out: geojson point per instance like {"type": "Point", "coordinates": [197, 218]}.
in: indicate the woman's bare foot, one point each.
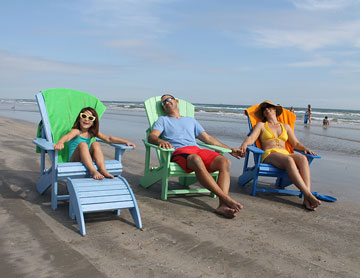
{"type": "Point", "coordinates": [311, 202]}
{"type": "Point", "coordinates": [106, 174]}
{"type": "Point", "coordinates": [96, 175]}
{"type": "Point", "coordinates": [226, 211]}
{"type": "Point", "coordinates": [230, 203]}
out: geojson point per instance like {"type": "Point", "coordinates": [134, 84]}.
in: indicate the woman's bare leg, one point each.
{"type": "Point", "coordinates": [82, 154]}
{"type": "Point", "coordinates": [288, 163]}
{"type": "Point", "coordinates": [98, 157]}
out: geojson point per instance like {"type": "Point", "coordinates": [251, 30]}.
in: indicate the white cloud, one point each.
{"type": "Point", "coordinates": [320, 62]}
{"type": "Point", "coordinates": [314, 5]}
{"type": "Point", "coordinates": [344, 34]}
{"type": "Point", "coordinates": [14, 63]}
{"type": "Point", "coordinates": [134, 17]}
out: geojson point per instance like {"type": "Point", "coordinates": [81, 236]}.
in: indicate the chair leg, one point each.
{"type": "Point", "coordinates": [253, 193]}
{"type": "Point", "coordinates": [164, 188]}
{"type": "Point", "coordinates": [54, 195]}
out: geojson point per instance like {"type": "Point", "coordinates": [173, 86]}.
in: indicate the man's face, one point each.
{"type": "Point", "coordinates": [168, 102]}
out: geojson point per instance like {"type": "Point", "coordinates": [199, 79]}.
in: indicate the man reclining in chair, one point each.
{"type": "Point", "coordinates": [179, 133]}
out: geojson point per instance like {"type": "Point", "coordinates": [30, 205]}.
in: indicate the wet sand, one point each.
{"type": "Point", "coordinates": [273, 236]}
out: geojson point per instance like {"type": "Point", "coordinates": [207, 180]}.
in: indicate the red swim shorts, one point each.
{"type": "Point", "coordinates": [180, 155]}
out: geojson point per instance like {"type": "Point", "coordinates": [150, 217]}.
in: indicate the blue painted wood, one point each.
{"type": "Point", "coordinates": [49, 177]}
{"type": "Point", "coordinates": [89, 195]}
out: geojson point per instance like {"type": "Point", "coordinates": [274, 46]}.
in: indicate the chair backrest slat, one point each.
{"type": "Point", "coordinates": [44, 117]}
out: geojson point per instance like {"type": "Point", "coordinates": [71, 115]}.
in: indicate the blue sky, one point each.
{"type": "Point", "coordinates": [292, 52]}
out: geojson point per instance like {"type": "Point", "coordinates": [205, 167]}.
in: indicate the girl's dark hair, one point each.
{"type": "Point", "coordinates": [94, 129]}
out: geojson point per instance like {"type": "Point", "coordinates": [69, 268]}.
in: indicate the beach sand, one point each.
{"type": "Point", "coordinates": [273, 236]}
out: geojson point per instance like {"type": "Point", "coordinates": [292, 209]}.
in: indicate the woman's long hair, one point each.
{"type": "Point", "coordinates": [94, 129]}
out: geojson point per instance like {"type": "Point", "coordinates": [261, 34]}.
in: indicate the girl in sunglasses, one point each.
{"type": "Point", "coordinates": [83, 147]}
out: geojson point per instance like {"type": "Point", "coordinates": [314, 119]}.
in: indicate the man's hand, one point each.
{"type": "Point", "coordinates": [165, 144]}
{"type": "Point", "coordinates": [235, 152]}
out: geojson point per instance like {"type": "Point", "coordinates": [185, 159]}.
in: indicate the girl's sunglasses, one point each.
{"type": "Point", "coordinates": [90, 118]}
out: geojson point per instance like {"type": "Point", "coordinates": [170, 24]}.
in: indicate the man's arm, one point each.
{"type": "Point", "coordinates": [154, 138]}
{"type": "Point", "coordinates": [208, 139]}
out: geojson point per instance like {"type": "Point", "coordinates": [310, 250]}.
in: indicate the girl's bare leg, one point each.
{"type": "Point", "coordinates": [82, 154]}
{"type": "Point", "coordinates": [288, 163]}
{"type": "Point", "coordinates": [98, 157]}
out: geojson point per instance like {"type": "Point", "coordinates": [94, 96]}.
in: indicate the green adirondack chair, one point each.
{"type": "Point", "coordinates": [167, 169]}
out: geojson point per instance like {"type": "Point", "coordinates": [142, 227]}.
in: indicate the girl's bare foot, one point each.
{"type": "Point", "coordinates": [96, 175]}
{"type": "Point", "coordinates": [106, 174]}
{"type": "Point", "coordinates": [226, 211]}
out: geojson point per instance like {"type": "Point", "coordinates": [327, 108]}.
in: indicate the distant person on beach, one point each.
{"type": "Point", "coordinates": [175, 131]}
{"type": "Point", "coordinates": [273, 135]}
{"type": "Point", "coordinates": [292, 109]}
{"type": "Point", "coordinates": [81, 145]}
{"type": "Point", "coordinates": [307, 116]}
{"type": "Point", "coordinates": [326, 122]}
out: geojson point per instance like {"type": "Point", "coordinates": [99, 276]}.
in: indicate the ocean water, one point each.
{"type": "Point", "coordinates": [225, 122]}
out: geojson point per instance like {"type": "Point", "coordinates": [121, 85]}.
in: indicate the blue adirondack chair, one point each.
{"type": "Point", "coordinates": [59, 109]}
{"type": "Point", "coordinates": [267, 170]}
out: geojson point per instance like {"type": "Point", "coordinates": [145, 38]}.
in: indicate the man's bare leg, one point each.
{"type": "Point", "coordinates": [227, 206]}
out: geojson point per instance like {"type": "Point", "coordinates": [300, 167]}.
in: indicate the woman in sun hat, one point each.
{"type": "Point", "coordinates": [273, 135]}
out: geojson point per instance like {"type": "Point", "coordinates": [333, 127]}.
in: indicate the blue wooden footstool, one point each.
{"type": "Point", "coordinates": [90, 195]}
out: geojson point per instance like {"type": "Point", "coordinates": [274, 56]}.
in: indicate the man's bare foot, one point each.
{"type": "Point", "coordinates": [96, 175]}
{"type": "Point", "coordinates": [232, 204]}
{"type": "Point", "coordinates": [311, 202]}
{"type": "Point", "coordinates": [106, 174]}
{"type": "Point", "coordinates": [226, 211]}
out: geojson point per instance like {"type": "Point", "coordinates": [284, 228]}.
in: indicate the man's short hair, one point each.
{"type": "Point", "coordinates": [167, 95]}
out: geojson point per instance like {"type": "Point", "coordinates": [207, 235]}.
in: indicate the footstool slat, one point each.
{"type": "Point", "coordinates": [107, 206]}
{"type": "Point", "coordinates": [102, 193]}
{"type": "Point", "coordinates": [98, 188]}
{"type": "Point", "coordinates": [105, 199]}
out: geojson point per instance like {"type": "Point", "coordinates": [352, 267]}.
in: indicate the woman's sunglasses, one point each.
{"type": "Point", "coordinates": [90, 118]}
{"type": "Point", "coordinates": [267, 106]}
{"type": "Point", "coordinates": [166, 100]}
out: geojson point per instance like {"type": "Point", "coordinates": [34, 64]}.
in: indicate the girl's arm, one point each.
{"type": "Point", "coordinates": [66, 138]}
{"type": "Point", "coordinates": [114, 140]}
{"type": "Point", "coordinates": [251, 138]}
{"type": "Point", "coordinates": [295, 143]}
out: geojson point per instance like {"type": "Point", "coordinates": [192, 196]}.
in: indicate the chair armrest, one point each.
{"type": "Point", "coordinates": [308, 154]}
{"type": "Point", "coordinates": [255, 150]}
{"type": "Point", "coordinates": [44, 144]}
{"type": "Point", "coordinates": [156, 146]}
{"type": "Point", "coordinates": [118, 146]}
{"type": "Point", "coordinates": [215, 148]}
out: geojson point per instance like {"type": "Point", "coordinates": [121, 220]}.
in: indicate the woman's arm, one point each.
{"type": "Point", "coordinates": [114, 140]}
{"type": "Point", "coordinates": [251, 138]}
{"type": "Point", "coordinates": [295, 143]}
{"type": "Point", "coordinates": [66, 138]}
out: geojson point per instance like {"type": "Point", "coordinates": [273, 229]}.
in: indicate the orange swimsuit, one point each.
{"type": "Point", "coordinates": [268, 134]}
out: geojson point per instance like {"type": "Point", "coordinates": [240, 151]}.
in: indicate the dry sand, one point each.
{"type": "Point", "coordinates": [273, 236]}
